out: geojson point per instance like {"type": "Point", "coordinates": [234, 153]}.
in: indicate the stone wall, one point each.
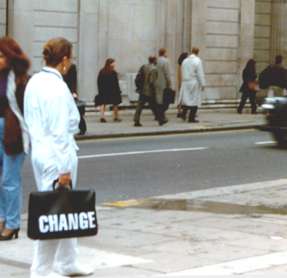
{"type": "Point", "coordinates": [262, 46]}
{"type": "Point", "coordinates": [222, 48]}
{"type": "Point", "coordinates": [2, 17]}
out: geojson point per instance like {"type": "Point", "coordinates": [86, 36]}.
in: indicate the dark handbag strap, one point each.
{"type": "Point", "coordinates": [57, 187]}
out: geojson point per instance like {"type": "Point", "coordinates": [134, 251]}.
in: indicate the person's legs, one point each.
{"type": "Point", "coordinates": [244, 98]}
{"type": "Point", "coordinates": [12, 189]}
{"type": "Point", "coordinates": [192, 114]}
{"type": "Point", "coordinates": [252, 99]}
{"type": "Point", "coordinates": [139, 109]}
{"type": "Point", "coordinates": [116, 113]}
{"type": "Point", "coordinates": [184, 112]}
{"type": "Point", "coordinates": [102, 111]}
{"type": "Point", "coordinates": [2, 198]}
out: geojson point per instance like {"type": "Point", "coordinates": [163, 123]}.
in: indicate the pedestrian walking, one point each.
{"type": "Point", "coordinates": [109, 90]}
{"type": "Point", "coordinates": [163, 81]}
{"type": "Point", "coordinates": [193, 84]}
{"type": "Point", "coordinates": [274, 78]}
{"type": "Point", "coordinates": [71, 79]}
{"type": "Point", "coordinates": [147, 92]}
{"type": "Point", "coordinates": [180, 60]}
{"type": "Point", "coordinates": [53, 119]}
{"type": "Point", "coordinates": [249, 87]}
{"type": "Point", "coordinates": [14, 138]}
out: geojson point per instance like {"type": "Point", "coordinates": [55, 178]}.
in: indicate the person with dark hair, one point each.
{"type": "Point", "coordinates": [180, 60]}
{"type": "Point", "coordinates": [248, 88]}
{"type": "Point", "coordinates": [193, 83]}
{"type": "Point", "coordinates": [109, 90]}
{"type": "Point", "coordinates": [14, 138]}
{"type": "Point", "coordinates": [71, 79]}
{"type": "Point", "coordinates": [53, 120]}
{"type": "Point", "coordinates": [148, 92]}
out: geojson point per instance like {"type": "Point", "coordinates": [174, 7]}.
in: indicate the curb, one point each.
{"type": "Point", "coordinates": [165, 132]}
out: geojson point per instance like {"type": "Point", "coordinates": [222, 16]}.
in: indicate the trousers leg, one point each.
{"type": "Point", "coordinates": [2, 198]}
{"type": "Point", "coordinates": [244, 98]}
{"type": "Point", "coordinates": [192, 113]}
{"type": "Point", "coordinates": [252, 99]}
{"type": "Point", "coordinates": [139, 109]}
{"type": "Point", "coordinates": [184, 112]}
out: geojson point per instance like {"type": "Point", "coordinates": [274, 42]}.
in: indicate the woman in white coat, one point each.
{"type": "Point", "coordinates": [53, 119]}
{"type": "Point", "coordinates": [193, 83]}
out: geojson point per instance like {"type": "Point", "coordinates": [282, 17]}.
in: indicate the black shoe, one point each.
{"type": "Point", "coordinates": [239, 111]}
{"type": "Point", "coordinates": [138, 124]}
{"type": "Point", "coordinates": [161, 123]}
{"type": "Point", "coordinates": [117, 120]}
{"type": "Point", "coordinates": [13, 234]}
{"type": "Point", "coordinates": [103, 120]}
{"type": "Point", "coordinates": [193, 121]}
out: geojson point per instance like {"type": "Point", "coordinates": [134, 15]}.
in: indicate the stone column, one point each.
{"type": "Point", "coordinates": [21, 23]}
{"type": "Point", "coordinates": [278, 29]}
{"type": "Point", "coordinates": [247, 32]}
{"type": "Point", "coordinates": [89, 42]}
{"type": "Point", "coordinates": [198, 25]}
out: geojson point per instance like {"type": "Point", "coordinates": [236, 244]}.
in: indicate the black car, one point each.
{"type": "Point", "coordinates": [275, 109]}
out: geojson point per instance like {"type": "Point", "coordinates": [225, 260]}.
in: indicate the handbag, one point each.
{"type": "Point", "coordinates": [169, 96]}
{"type": "Point", "coordinates": [62, 214]}
{"type": "Point", "coordinates": [13, 141]}
{"type": "Point", "coordinates": [253, 86]}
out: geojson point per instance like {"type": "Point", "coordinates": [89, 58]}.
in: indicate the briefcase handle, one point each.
{"type": "Point", "coordinates": [67, 187]}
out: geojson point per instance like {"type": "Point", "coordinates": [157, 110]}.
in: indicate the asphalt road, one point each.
{"type": "Point", "coordinates": [121, 169]}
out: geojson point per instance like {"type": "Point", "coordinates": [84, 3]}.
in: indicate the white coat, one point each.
{"type": "Point", "coordinates": [193, 80]}
{"type": "Point", "coordinates": [52, 119]}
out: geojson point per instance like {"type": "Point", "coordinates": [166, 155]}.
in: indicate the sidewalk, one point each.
{"type": "Point", "coordinates": [210, 120]}
{"type": "Point", "coordinates": [235, 230]}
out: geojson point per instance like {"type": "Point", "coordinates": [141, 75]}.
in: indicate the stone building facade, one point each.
{"type": "Point", "coordinates": [228, 32]}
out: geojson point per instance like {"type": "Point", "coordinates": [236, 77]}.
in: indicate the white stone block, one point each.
{"type": "Point", "coordinates": [56, 5]}
{"type": "Point", "coordinates": [262, 55]}
{"type": "Point", "coordinates": [221, 54]}
{"type": "Point", "coordinates": [262, 31]}
{"type": "Point", "coordinates": [223, 14]}
{"type": "Point", "coordinates": [222, 41]}
{"type": "Point", "coordinates": [2, 16]}
{"type": "Point", "coordinates": [2, 4]}
{"type": "Point", "coordinates": [229, 28]}
{"type": "Point", "coordinates": [45, 33]}
{"type": "Point", "coordinates": [262, 43]}
{"type": "Point", "coordinates": [220, 93]}
{"type": "Point", "coordinates": [221, 67]}
{"type": "Point", "coordinates": [224, 3]}
{"type": "Point", "coordinates": [2, 30]}
{"type": "Point", "coordinates": [263, 7]}
{"type": "Point", "coordinates": [263, 19]}
{"type": "Point", "coordinates": [221, 80]}
{"type": "Point", "coordinates": [52, 19]}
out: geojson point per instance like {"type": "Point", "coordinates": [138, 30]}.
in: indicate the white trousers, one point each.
{"type": "Point", "coordinates": [49, 254]}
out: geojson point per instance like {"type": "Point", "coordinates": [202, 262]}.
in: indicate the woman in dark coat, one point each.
{"type": "Point", "coordinates": [248, 89]}
{"type": "Point", "coordinates": [109, 90]}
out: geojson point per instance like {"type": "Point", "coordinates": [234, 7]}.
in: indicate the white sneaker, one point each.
{"type": "Point", "coordinates": [75, 270]}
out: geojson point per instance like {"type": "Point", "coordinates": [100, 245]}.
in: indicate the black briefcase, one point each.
{"type": "Point", "coordinates": [62, 214]}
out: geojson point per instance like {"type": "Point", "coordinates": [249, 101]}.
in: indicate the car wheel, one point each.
{"type": "Point", "coordinates": [280, 137]}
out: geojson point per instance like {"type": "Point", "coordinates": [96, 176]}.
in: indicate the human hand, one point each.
{"type": "Point", "coordinates": [65, 179]}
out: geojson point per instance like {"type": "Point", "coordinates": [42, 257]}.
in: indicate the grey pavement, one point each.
{"type": "Point", "coordinates": [210, 120]}
{"type": "Point", "coordinates": [236, 230]}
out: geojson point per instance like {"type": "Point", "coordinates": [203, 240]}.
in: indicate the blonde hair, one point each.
{"type": "Point", "coordinates": [55, 50]}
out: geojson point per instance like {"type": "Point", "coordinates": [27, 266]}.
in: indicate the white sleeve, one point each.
{"type": "Point", "coordinates": [62, 122]}
{"type": "Point", "coordinates": [201, 75]}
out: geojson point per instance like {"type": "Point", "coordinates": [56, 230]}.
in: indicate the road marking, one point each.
{"type": "Point", "coordinates": [265, 143]}
{"type": "Point", "coordinates": [236, 267]}
{"type": "Point", "coordinates": [141, 152]}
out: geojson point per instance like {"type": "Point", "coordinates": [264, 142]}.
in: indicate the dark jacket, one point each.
{"type": "Point", "coordinates": [273, 75]}
{"type": "Point", "coordinates": [109, 89]}
{"type": "Point", "coordinates": [247, 76]}
{"type": "Point", "coordinates": [71, 79]}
